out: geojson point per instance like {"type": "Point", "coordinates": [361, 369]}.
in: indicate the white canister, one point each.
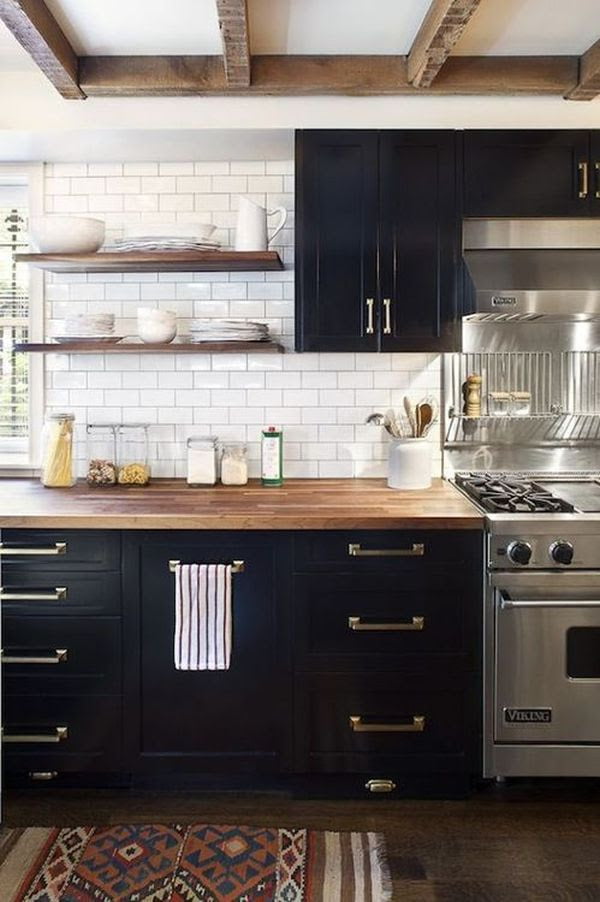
{"type": "Point", "coordinates": [409, 464]}
{"type": "Point", "coordinates": [156, 326]}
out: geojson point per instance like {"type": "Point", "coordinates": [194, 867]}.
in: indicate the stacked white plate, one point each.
{"type": "Point", "coordinates": [89, 327]}
{"type": "Point", "coordinates": [227, 330]}
{"type": "Point", "coordinates": [185, 236]}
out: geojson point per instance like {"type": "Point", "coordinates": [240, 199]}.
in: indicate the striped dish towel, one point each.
{"type": "Point", "coordinates": [202, 617]}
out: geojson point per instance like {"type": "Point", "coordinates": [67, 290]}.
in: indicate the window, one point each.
{"type": "Point", "coordinates": [20, 320]}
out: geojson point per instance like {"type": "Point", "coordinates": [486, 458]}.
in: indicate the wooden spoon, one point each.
{"type": "Point", "coordinates": [424, 417]}
{"type": "Point", "coordinates": [410, 413]}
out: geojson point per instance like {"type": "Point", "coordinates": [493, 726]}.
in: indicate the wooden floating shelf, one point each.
{"type": "Point", "coordinates": [157, 261]}
{"type": "Point", "coordinates": [132, 347]}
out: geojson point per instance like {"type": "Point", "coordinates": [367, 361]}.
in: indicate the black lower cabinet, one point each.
{"type": "Point", "coordinates": [355, 666]}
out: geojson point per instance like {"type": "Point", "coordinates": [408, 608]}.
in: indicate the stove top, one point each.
{"type": "Point", "coordinates": [509, 493]}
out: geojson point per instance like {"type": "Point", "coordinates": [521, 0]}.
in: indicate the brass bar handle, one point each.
{"type": "Point", "coordinates": [387, 322]}
{"type": "Point", "coordinates": [43, 775]}
{"type": "Point", "coordinates": [236, 566]}
{"type": "Point", "coordinates": [59, 594]}
{"type": "Point", "coordinates": [57, 656]}
{"type": "Point", "coordinates": [415, 624]}
{"type": "Point", "coordinates": [583, 181]}
{"type": "Point", "coordinates": [380, 785]}
{"type": "Point", "coordinates": [417, 725]}
{"type": "Point", "coordinates": [57, 548]}
{"type": "Point", "coordinates": [597, 171]}
{"type": "Point", "coordinates": [370, 316]}
{"type": "Point", "coordinates": [58, 734]}
{"type": "Point", "coordinates": [417, 549]}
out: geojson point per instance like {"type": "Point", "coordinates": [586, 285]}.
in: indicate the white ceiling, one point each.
{"type": "Point", "coordinates": [312, 26]}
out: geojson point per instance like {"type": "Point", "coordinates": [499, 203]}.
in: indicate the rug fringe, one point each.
{"type": "Point", "coordinates": [379, 850]}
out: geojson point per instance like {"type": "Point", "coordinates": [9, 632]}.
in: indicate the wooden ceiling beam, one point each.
{"type": "Point", "coordinates": [441, 28]}
{"type": "Point", "coordinates": [36, 29]}
{"type": "Point", "coordinates": [233, 23]}
{"type": "Point", "coordinates": [173, 76]}
{"type": "Point", "coordinates": [588, 85]}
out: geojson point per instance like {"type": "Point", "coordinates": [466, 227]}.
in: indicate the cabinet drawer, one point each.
{"type": "Point", "coordinates": [61, 655]}
{"type": "Point", "coordinates": [59, 592]}
{"type": "Point", "coordinates": [63, 734]}
{"type": "Point", "coordinates": [402, 550]}
{"type": "Point", "coordinates": [351, 621]}
{"type": "Point", "coordinates": [356, 722]}
{"type": "Point", "coordinates": [48, 549]}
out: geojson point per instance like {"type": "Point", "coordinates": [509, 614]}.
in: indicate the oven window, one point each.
{"type": "Point", "coordinates": [583, 652]}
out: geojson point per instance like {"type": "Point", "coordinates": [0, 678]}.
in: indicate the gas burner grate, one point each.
{"type": "Point", "coordinates": [506, 493]}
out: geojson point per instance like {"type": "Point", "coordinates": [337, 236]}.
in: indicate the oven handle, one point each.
{"type": "Point", "coordinates": [507, 603]}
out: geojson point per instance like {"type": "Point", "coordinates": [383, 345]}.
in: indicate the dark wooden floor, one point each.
{"type": "Point", "coordinates": [539, 843]}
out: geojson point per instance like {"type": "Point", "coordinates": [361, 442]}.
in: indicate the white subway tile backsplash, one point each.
{"type": "Point", "coordinates": [321, 400]}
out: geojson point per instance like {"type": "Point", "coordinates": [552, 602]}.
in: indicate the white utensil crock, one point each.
{"type": "Point", "coordinates": [251, 233]}
{"type": "Point", "coordinates": [409, 464]}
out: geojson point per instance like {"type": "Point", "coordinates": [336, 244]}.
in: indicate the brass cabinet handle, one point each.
{"type": "Point", "coordinates": [56, 656]}
{"type": "Point", "coordinates": [597, 170]}
{"type": "Point", "coordinates": [583, 182]}
{"type": "Point", "coordinates": [57, 734]}
{"type": "Point", "coordinates": [380, 785]}
{"type": "Point", "coordinates": [417, 549]}
{"type": "Point", "coordinates": [387, 323]}
{"type": "Point", "coordinates": [370, 322]}
{"type": "Point", "coordinates": [57, 548]}
{"type": "Point", "coordinates": [43, 774]}
{"type": "Point", "coordinates": [59, 594]}
{"type": "Point", "coordinates": [356, 624]}
{"type": "Point", "coordinates": [417, 725]}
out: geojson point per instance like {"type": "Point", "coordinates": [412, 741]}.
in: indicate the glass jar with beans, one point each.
{"type": "Point", "coordinates": [132, 454]}
{"type": "Point", "coordinates": [101, 455]}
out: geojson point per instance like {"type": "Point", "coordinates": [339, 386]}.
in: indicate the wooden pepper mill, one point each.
{"type": "Point", "coordinates": [472, 396]}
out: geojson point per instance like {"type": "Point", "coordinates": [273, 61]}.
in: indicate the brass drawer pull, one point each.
{"type": "Point", "coordinates": [380, 785]}
{"type": "Point", "coordinates": [387, 323]}
{"type": "Point", "coordinates": [597, 169]}
{"type": "Point", "coordinates": [583, 183]}
{"type": "Point", "coordinates": [356, 624]}
{"type": "Point", "coordinates": [417, 725]}
{"type": "Point", "coordinates": [58, 734]}
{"type": "Point", "coordinates": [236, 566]}
{"type": "Point", "coordinates": [57, 656]}
{"type": "Point", "coordinates": [415, 550]}
{"type": "Point", "coordinates": [42, 775]}
{"type": "Point", "coordinates": [59, 594]}
{"type": "Point", "coordinates": [370, 324]}
{"type": "Point", "coordinates": [57, 548]}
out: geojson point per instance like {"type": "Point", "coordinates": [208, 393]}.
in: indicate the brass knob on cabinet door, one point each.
{"type": "Point", "coordinates": [380, 785]}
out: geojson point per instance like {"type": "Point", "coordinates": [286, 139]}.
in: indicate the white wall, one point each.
{"type": "Point", "coordinates": [321, 400]}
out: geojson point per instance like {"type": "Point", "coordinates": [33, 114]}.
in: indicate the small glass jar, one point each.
{"type": "Point", "coordinates": [101, 455]}
{"type": "Point", "coordinates": [521, 403]}
{"type": "Point", "coordinates": [57, 451]}
{"type": "Point", "coordinates": [500, 403]}
{"type": "Point", "coordinates": [132, 454]}
{"type": "Point", "coordinates": [234, 464]}
{"type": "Point", "coordinates": [201, 460]}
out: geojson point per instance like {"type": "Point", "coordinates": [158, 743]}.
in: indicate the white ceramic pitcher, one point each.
{"type": "Point", "coordinates": [251, 233]}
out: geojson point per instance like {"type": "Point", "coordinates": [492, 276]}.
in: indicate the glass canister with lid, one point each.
{"type": "Point", "coordinates": [101, 454]}
{"type": "Point", "coordinates": [133, 454]}
{"type": "Point", "coordinates": [57, 451]}
{"type": "Point", "coordinates": [201, 460]}
{"type": "Point", "coordinates": [234, 464]}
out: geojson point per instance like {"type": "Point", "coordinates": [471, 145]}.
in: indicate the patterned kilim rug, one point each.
{"type": "Point", "coordinates": [176, 863]}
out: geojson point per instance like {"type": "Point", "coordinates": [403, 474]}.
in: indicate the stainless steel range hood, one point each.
{"type": "Point", "coordinates": [536, 283]}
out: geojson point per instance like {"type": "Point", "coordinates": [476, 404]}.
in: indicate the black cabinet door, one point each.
{"type": "Point", "coordinates": [221, 721]}
{"type": "Point", "coordinates": [595, 172]}
{"type": "Point", "coordinates": [527, 173]}
{"type": "Point", "coordinates": [336, 241]}
{"type": "Point", "coordinates": [419, 222]}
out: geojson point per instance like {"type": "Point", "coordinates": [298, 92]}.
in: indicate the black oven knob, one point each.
{"type": "Point", "coordinates": [561, 552]}
{"type": "Point", "coordinates": [519, 552]}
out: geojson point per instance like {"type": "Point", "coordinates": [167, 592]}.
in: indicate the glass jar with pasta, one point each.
{"type": "Point", "coordinates": [57, 451]}
{"type": "Point", "coordinates": [132, 454]}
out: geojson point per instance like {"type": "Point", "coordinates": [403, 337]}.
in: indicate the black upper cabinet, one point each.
{"type": "Point", "coordinates": [336, 243]}
{"type": "Point", "coordinates": [530, 173]}
{"type": "Point", "coordinates": [418, 241]}
{"type": "Point", "coordinates": [377, 237]}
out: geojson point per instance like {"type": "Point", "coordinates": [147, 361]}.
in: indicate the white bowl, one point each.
{"type": "Point", "coordinates": [66, 234]}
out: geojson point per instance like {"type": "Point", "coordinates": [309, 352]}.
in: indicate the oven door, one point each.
{"type": "Point", "coordinates": [547, 659]}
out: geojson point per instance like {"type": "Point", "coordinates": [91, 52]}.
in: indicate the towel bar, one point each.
{"type": "Point", "coordinates": [236, 566]}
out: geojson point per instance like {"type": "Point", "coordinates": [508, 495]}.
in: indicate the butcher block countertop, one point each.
{"type": "Point", "coordinates": [298, 504]}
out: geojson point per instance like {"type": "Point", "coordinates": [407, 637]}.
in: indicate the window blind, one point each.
{"type": "Point", "coordinates": [14, 326]}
